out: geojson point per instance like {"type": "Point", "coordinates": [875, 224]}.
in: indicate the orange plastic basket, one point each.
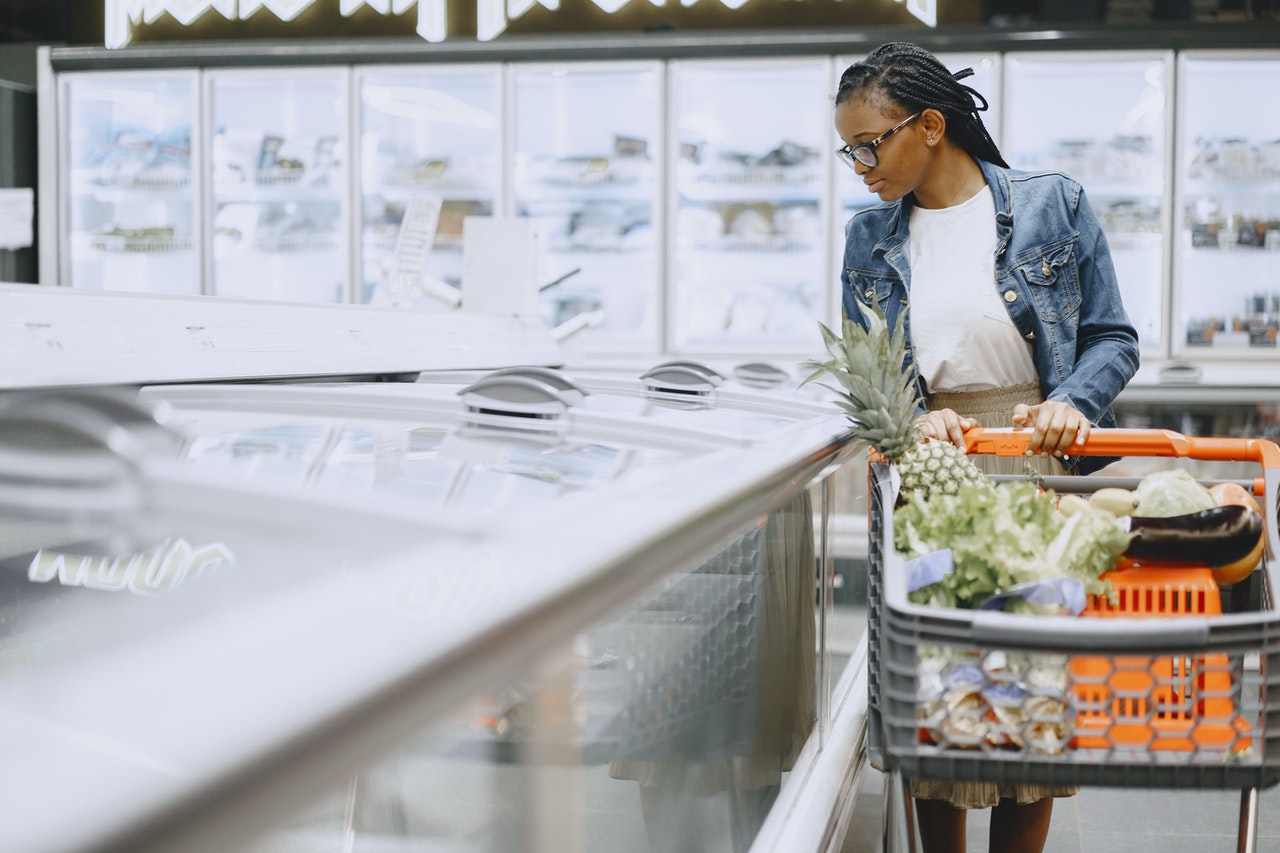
{"type": "Point", "coordinates": [1182, 703]}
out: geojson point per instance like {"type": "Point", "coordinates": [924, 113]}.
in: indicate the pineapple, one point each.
{"type": "Point", "coordinates": [877, 391]}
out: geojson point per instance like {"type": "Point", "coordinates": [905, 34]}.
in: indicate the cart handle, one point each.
{"type": "Point", "coordinates": [1132, 442]}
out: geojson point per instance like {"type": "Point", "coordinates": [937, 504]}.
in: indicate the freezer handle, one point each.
{"type": "Point", "coordinates": [1133, 442]}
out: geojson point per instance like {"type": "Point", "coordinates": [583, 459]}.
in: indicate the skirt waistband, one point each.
{"type": "Point", "coordinates": [993, 400]}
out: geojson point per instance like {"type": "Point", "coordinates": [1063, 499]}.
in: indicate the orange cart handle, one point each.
{"type": "Point", "coordinates": [1132, 442]}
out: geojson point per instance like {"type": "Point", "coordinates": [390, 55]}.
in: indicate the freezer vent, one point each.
{"type": "Point", "coordinates": [516, 403]}
{"type": "Point", "coordinates": [681, 381]}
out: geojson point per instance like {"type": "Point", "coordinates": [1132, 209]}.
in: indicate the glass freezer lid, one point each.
{"type": "Point", "coordinates": [422, 463]}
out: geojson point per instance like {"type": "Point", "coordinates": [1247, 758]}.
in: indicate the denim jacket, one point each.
{"type": "Point", "coordinates": [1054, 275]}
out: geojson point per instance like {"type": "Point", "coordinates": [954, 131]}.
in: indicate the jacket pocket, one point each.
{"type": "Point", "coordinates": [870, 287]}
{"type": "Point", "coordinates": [1053, 280]}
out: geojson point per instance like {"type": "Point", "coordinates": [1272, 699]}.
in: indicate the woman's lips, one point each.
{"type": "Point", "coordinates": [875, 186]}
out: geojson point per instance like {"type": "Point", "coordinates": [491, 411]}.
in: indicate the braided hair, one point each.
{"type": "Point", "coordinates": [912, 77]}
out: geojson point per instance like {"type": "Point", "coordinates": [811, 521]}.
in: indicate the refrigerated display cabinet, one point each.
{"type": "Point", "coordinates": [130, 205]}
{"type": "Point", "coordinates": [1118, 149]}
{"type": "Point", "coordinates": [279, 195]}
{"type": "Point", "coordinates": [434, 132]}
{"type": "Point", "coordinates": [748, 270]}
{"type": "Point", "coordinates": [629, 164]}
{"type": "Point", "coordinates": [1228, 207]}
{"type": "Point", "coordinates": [421, 607]}
{"type": "Point", "coordinates": [587, 167]}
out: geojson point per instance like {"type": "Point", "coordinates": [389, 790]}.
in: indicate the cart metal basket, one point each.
{"type": "Point", "coordinates": [1162, 689]}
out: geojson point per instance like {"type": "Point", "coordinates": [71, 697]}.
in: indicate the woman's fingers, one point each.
{"type": "Point", "coordinates": [944, 425]}
{"type": "Point", "coordinates": [1055, 427]}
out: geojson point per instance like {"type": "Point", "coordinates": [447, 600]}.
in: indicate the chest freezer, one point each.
{"type": "Point", "coordinates": [488, 451]}
{"type": "Point", "coordinates": [183, 565]}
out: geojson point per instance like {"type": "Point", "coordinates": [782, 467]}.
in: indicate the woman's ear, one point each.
{"type": "Point", "coordinates": [934, 125]}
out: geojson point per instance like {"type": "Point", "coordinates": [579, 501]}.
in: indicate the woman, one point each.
{"type": "Point", "coordinates": [1013, 315]}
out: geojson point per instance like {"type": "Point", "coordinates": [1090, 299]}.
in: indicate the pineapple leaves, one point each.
{"type": "Point", "coordinates": [868, 363]}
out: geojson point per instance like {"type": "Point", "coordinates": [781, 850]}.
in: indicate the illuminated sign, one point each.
{"type": "Point", "coordinates": [492, 16]}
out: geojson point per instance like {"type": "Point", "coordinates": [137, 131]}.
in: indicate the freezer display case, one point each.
{"type": "Point", "coordinates": [130, 179]}
{"type": "Point", "coordinates": [520, 612]}
{"type": "Point", "coordinates": [586, 142]}
{"type": "Point", "coordinates": [851, 193]}
{"type": "Point", "coordinates": [434, 132]}
{"type": "Point", "coordinates": [279, 199]}
{"type": "Point", "coordinates": [1117, 148]}
{"type": "Point", "coordinates": [747, 267]}
{"type": "Point", "coordinates": [1227, 259]}
{"type": "Point", "coordinates": [715, 666]}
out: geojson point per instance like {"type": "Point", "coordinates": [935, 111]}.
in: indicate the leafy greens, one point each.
{"type": "Point", "coordinates": [1003, 536]}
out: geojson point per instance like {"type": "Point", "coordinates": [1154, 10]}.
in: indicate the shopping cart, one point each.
{"type": "Point", "coordinates": [1187, 701]}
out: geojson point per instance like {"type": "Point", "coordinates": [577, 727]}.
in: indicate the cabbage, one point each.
{"type": "Point", "coordinates": [1173, 492]}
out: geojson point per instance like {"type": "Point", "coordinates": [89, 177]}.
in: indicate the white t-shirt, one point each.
{"type": "Point", "coordinates": [961, 332]}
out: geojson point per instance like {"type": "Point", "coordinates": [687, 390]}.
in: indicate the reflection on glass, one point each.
{"type": "Point", "coordinates": [667, 727]}
{"type": "Point", "coordinates": [426, 132]}
{"type": "Point", "coordinates": [130, 194]}
{"type": "Point", "coordinates": [279, 208]}
{"type": "Point", "coordinates": [585, 167]}
{"type": "Point", "coordinates": [423, 465]}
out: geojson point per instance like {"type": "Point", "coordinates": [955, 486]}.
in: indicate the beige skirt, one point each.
{"type": "Point", "coordinates": [993, 409]}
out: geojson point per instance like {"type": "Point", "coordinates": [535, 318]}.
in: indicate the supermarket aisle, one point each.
{"type": "Point", "coordinates": [1110, 820]}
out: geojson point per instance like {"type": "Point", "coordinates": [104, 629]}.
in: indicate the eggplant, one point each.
{"type": "Point", "coordinates": [1211, 537]}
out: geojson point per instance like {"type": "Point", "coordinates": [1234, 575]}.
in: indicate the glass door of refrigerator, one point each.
{"type": "Point", "coordinates": [852, 195]}
{"type": "Point", "coordinates": [432, 131]}
{"type": "Point", "coordinates": [279, 198]}
{"type": "Point", "coordinates": [586, 166]}
{"type": "Point", "coordinates": [1116, 146]}
{"type": "Point", "coordinates": [748, 268]}
{"type": "Point", "coordinates": [1227, 260]}
{"type": "Point", "coordinates": [129, 215]}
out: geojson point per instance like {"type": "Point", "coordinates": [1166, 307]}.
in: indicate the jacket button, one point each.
{"type": "Point", "coordinates": [1031, 336]}
{"type": "Point", "coordinates": [871, 291]}
{"type": "Point", "coordinates": [1010, 296]}
{"type": "Point", "coordinates": [1044, 268]}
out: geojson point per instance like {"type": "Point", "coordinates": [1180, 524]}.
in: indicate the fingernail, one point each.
{"type": "Point", "coordinates": [1030, 453]}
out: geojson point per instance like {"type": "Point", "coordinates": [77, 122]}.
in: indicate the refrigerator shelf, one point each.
{"type": "Point", "coordinates": [95, 244]}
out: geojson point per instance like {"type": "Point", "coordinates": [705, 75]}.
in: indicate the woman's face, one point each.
{"type": "Point", "coordinates": [902, 159]}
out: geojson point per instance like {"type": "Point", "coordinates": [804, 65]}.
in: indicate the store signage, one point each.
{"type": "Point", "coordinates": [492, 16]}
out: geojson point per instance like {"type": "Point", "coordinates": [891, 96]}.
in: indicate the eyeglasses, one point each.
{"type": "Point", "coordinates": [865, 153]}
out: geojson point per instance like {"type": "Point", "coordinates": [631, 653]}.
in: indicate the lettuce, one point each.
{"type": "Point", "coordinates": [1003, 536]}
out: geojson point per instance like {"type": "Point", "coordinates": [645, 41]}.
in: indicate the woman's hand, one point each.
{"type": "Point", "coordinates": [1057, 427]}
{"type": "Point", "coordinates": [944, 425]}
